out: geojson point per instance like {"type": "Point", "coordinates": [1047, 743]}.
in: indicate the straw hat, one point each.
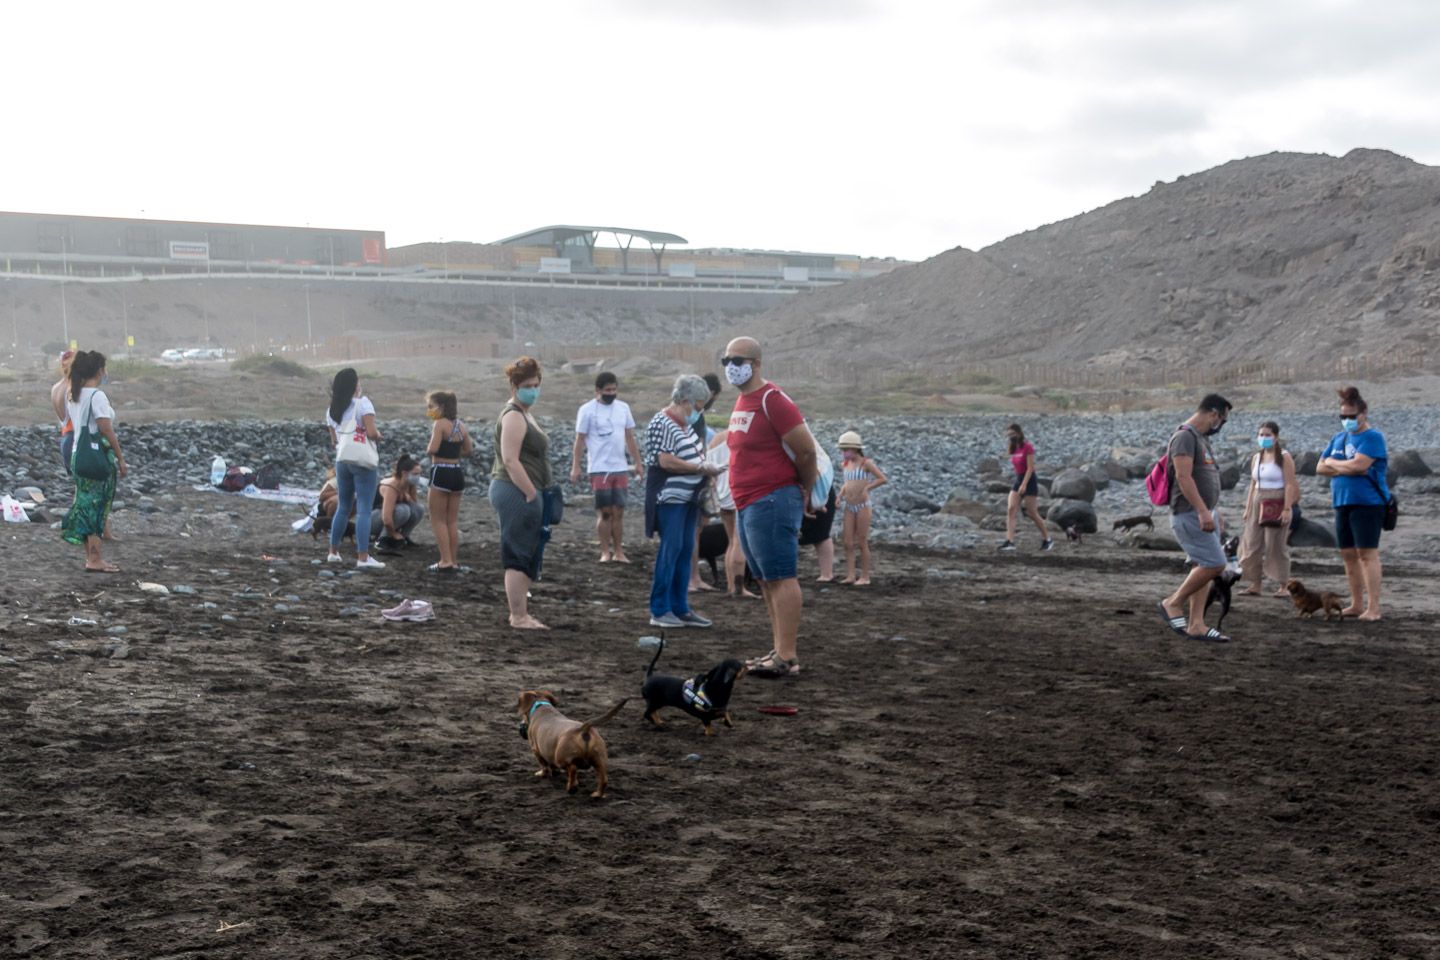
{"type": "Point", "coordinates": [851, 440]}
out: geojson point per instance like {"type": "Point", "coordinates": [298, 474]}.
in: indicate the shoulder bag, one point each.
{"type": "Point", "coordinates": [90, 459]}
{"type": "Point", "coordinates": [1272, 511]}
{"type": "Point", "coordinates": [1392, 505]}
{"type": "Point", "coordinates": [354, 447]}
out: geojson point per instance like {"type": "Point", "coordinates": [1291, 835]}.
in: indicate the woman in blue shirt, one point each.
{"type": "Point", "coordinates": [1356, 463]}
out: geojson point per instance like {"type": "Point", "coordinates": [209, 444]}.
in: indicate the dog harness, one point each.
{"type": "Point", "coordinates": [524, 725]}
{"type": "Point", "coordinates": [695, 695]}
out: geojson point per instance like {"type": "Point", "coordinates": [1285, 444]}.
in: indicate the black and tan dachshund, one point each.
{"type": "Point", "coordinates": [705, 697]}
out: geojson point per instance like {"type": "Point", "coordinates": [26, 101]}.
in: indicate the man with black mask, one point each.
{"type": "Point", "coordinates": [605, 431]}
{"type": "Point", "coordinates": [1194, 492]}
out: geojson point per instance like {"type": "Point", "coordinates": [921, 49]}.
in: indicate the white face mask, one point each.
{"type": "Point", "coordinates": [739, 375]}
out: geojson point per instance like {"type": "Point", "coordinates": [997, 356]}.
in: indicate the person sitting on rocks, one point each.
{"type": "Point", "coordinates": [400, 510]}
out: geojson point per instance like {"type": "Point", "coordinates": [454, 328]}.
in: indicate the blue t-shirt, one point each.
{"type": "Point", "coordinates": [1359, 491]}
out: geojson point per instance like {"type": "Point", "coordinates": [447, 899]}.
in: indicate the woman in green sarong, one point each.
{"type": "Point", "coordinates": [91, 413]}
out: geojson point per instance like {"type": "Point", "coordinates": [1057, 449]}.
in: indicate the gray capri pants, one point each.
{"type": "Point", "coordinates": [520, 525]}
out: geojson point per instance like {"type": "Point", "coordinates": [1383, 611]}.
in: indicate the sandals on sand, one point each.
{"type": "Point", "coordinates": [1209, 636]}
{"type": "Point", "coordinates": [772, 666]}
{"type": "Point", "coordinates": [1176, 624]}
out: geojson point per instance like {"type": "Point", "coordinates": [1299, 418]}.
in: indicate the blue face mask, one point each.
{"type": "Point", "coordinates": [104, 379]}
{"type": "Point", "coordinates": [1265, 443]}
{"type": "Point", "coordinates": [1350, 424]}
{"type": "Point", "coordinates": [693, 417]}
{"type": "Point", "coordinates": [528, 395]}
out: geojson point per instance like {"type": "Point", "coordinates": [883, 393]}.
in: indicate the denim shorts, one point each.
{"type": "Point", "coordinates": [769, 532]}
{"type": "Point", "coordinates": [1357, 526]}
{"type": "Point", "coordinates": [1201, 546]}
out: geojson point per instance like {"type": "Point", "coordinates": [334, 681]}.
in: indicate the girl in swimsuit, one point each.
{"type": "Point", "coordinates": [861, 476]}
{"type": "Point", "coordinates": [449, 442]}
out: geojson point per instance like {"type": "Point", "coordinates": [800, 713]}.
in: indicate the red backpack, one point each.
{"type": "Point", "coordinates": [1157, 481]}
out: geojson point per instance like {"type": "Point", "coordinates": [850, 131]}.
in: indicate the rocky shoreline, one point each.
{"type": "Point", "coordinates": [948, 475]}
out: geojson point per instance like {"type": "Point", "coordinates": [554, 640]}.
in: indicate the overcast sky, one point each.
{"type": "Point", "coordinates": [896, 128]}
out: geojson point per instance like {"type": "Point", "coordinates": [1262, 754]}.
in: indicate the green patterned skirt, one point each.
{"type": "Point", "coordinates": [91, 508]}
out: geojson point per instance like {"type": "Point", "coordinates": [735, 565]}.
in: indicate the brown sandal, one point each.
{"type": "Point", "coordinates": [775, 668]}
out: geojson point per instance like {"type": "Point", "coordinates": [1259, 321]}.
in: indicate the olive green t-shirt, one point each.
{"type": "Point", "coordinates": [534, 450]}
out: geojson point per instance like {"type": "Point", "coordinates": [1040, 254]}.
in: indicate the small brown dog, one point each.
{"type": "Point", "coordinates": [560, 743]}
{"type": "Point", "coordinates": [1308, 601]}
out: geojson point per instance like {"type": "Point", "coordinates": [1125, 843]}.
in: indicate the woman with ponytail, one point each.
{"type": "Point", "coordinates": [1356, 462]}
{"type": "Point", "coordinates": [354, 482]}
{"type": "Point", "coordinates": [1273, 492]}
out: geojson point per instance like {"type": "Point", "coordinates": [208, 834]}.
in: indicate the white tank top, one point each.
{"type": "Point", "coordinates": [720, 454]}
{"type": "Point", "coordinates": [1269, 474]}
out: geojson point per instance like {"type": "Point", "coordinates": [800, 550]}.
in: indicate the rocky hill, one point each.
{"type": "Point", "coordinates": [1292, 258]}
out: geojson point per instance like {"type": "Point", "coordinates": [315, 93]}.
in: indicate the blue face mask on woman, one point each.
{"type": "Point", "coordinates": [693, 417]}
{"type": "Point", "coordinates": [1265, 443]}
{"type": "Point", "coordinates": [1351, 424]}
{"type": "Point", "coordinates": [528, 395]}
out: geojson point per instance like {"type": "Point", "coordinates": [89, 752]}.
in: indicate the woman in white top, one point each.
{"type": "Point", "coordinates": [89, 409]}
{"type": "Point", "coordinates": [354, 483]}
{"type": "Point", "coordinates": [1273, 492]}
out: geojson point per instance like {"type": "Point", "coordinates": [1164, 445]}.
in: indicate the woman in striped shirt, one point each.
{"type": "Point", "coordinates": [675, 478]}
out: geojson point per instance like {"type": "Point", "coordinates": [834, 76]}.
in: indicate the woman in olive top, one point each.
{"type": "Point", "coordinates": [521, 473]}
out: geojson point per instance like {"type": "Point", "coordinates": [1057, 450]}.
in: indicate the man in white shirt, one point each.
{"type": "Point", "coordinates": [604, 431]}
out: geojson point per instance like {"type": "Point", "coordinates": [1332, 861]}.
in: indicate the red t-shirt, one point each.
{"type": "Point", "coordinates": [759, 464]}
{"type": "Point", "coordinates": [1017, 459]}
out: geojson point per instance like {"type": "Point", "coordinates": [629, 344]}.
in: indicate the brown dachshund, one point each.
{"type": "Point", "coordinates": [560, 743]}
{"type": "Point", "coordinates": [1308, 601]}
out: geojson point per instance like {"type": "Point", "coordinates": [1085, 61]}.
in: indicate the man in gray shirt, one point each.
{"type": "Point", "coordinates": [1194, 492]}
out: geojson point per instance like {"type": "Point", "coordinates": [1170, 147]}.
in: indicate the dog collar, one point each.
{"type": "Point", "coordinates": [695, 695]}
{"type": "Point", "coordinates": [524, 725]}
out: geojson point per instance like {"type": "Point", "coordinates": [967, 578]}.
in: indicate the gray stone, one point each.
{"type": "Point", "coordinates": [988, 465]}
{"type": "Point", "coordinates": [1308, 533]}
{"type": "Point", "coordinates": [351, 611]}
{"type": "Point", "coordinates": [1098, 475]}
{"type": "Point", "coordinates": [964, 507]}
{"type": "Point", "coordinates": [1154, 540]}
{"type": "Point", "coordinates": [997, 486]}
{"type": "Point", "coordinates": [1229, 476]}
{"type": "Point", "coordinates": [1409, 463]}
{"type": "Point", "coordinates": [1114, 470]}
{"type": "Point", "coordinates": [182, 588]}
{"type": "Point", "coordinates": [908, 502]}
{"type": "Point", "coordinates": [1073, 485]}
{"type": "Point", "coordinates": [1305, 462]}
{"type": "Point", "coordinates": [1077, 513]}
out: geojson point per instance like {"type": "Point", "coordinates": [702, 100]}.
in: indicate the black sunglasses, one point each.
{"type": "Point", "coordinates": [1349, 416]}
{"type": "Point", "coordinates": [735, 361]}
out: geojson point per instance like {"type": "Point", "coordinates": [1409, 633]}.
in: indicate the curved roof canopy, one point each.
{"type": "Point", "coordinates": [560, 233]}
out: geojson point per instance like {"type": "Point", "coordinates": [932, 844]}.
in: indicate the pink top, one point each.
{"type": "Point", "coordinates": [1017, 459]}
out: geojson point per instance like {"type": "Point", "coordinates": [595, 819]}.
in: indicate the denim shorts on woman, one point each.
{"type": "Point", "coordinates": [1201, 546]}
{"type": "Point", "coordinates": [1357, 526]}
{"type": "Point", "coordinates": [769, 532]}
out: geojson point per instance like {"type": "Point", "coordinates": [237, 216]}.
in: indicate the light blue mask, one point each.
{"type": "Point", "coordinates": [1350, 424]}
{"type": "Point", "coordinates": [1265, 443]}
{"type": "Point", "coordinates": [104, 379]}
{"type": "Point", "coordinates": [528, 395]}
{"type": "Point", "coordinates": [693, 417]}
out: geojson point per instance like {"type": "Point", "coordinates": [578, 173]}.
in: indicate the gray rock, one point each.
{"type": "Point", "coordinates": [1135, 461]}
{"type": "Point", "coordinates": [1077, 513]}
{"type": "Point", "coordinates": [908, 502]}
{"type": "Point", "coordinates": [351, 611]}
{"type": "Point", "coordinates": [1305, 462]}
{"type": "Point", "coordinates": [1154, 540]}
{"type": "Point", "coordinates": [1308, 533]}
{"type": "Point", "coordinates": [1229, 476]}
{"type": "Point", "coordinates": [964, 507]}
{"type": "Point", "coordinates": [1074, 485]}
{"type": "Point", "coordinates": [1409, 463]}
{"type": "Point", "coordinates": [183, 588]}
{"type": "Point", "coordinates": [1115, 471]}
{"type": "Point", "coordinates": [997, 486]}
{"type": "Point", "coordinates": [989, 465]}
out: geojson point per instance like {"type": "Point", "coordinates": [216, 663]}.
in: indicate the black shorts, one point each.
{"type": "Point", "coordinates": [1032, 489]}
{"type": "Point", "coordinates": [447, 478]}
{"type": "Point", "coordinates": [1357, 527]}
{"type": "Point", "coordinates": [816, 530]}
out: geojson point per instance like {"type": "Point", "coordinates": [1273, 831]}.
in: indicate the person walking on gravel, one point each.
{"type": "Point", "coordinates": [772, 471]}
{"type": "Point", "coordinates": [605, 432]}
{"type": "Point", "coordinates": [1194, 492]}
{"type": "Point", "coordinates": [1024, 491]}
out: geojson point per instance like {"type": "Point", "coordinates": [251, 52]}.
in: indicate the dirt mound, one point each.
{"type": "Point", "coordinates": [1291, 258]}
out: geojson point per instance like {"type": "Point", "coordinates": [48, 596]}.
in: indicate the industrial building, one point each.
{"type": "Point", "coordinates": [102, 246]}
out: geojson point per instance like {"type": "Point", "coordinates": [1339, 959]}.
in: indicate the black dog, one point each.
{"type": "Point", "coordinates": [714, 541]}
{"type": "Point", "coordinates": [705, 697]}
{"type": "Point", "coordinates": [1221, 585]}
{"type": "Point", "coordinates": [322, 528]}
{"type": "Point", "coordinates": [1130, 523]}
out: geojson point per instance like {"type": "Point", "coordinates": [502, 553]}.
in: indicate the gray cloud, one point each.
{"type": "Point", "coordinates": [752, 12]}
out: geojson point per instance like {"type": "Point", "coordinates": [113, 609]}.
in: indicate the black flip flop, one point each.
{"type": "Point", "coordinates": [1209, 636]}
{"type": "Point", "coordinates": [1176, 624]}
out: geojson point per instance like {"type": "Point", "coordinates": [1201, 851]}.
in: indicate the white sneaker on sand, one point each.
{"type": "Point", "coordinates": [333, 558]}
{"type": "Point", "coordinates": [369, 563]}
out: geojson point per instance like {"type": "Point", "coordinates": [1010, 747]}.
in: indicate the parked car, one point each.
{"type": "Point", "coordinates": [172, 356]}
